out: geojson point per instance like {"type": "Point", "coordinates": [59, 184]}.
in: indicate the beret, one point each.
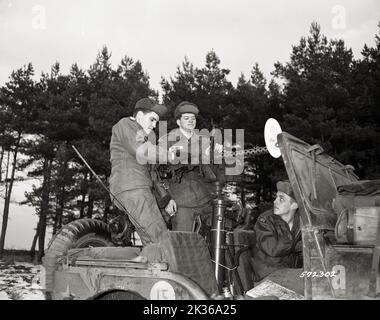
{"type": "Point", "coordinates": [147, 104]}
{"type": "Point", "coordinates": [185, 107]}
{"type": "Point", "coordinates": [285, 187]}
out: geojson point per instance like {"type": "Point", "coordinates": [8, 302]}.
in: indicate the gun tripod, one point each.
{"type": "Point", "coordinates": [226, 260]}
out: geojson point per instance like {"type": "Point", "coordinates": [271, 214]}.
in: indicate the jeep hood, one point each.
{"type": "Point", "coordinates": [314, 177]}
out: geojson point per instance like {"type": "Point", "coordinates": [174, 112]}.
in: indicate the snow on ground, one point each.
{"type": "Point", "coordinates": [20, 281]}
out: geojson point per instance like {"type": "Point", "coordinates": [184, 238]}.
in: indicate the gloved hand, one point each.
{"type": "Point", "coordinates": [171, 208]}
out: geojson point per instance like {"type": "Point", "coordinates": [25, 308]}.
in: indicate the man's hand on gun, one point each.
{"type": "Point", "coordinates": [174, 153]}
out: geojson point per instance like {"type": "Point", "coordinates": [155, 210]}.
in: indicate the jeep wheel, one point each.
{"type": "Point", "coordinates": [77, 234]}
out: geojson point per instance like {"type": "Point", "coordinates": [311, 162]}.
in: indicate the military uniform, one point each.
{"type": "Point", "coordinates": [191, 184]}
{"type": "Point", "coordinates": [276, 245]}
{"type": "Point", "coordinates": [130, 180]}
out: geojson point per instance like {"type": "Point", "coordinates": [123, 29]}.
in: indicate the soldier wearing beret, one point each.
{"type": "Point", "coordinates": [192, 188]}
{"type": "Point", "coordinates": [278, 235]}
{"type": "Point", "coordinates": [130, 179]}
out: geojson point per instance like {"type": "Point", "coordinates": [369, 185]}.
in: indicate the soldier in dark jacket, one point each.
{"type": "Point", "coordinates": [132, 150]}
{"type": "Point", "coordinates": [278, 235]}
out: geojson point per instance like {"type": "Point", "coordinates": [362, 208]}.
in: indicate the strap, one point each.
{"type": "Point", "coordinates": [341, 215]}
{"type": "Point", "coordinates": [314, 150]}
{"type": "Point", "coordinates": [197, 223]}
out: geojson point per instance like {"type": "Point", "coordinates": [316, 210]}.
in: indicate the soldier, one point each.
{"type": "Point", "coordinates": [278, 235]}
{"type": "Point", "coordinates": [191, 184]}
{"type": "Point", "coordinates": [130, 180]}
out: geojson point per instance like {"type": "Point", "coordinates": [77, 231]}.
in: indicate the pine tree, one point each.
{"type": "Point", "coordinates": [364, 132]}
{"type": "Point", "coordinates": [207, 87]}
{"type": "Point", "coordinates": [17, 99]}
{"type": "Point", "coordinates": [318, 101]}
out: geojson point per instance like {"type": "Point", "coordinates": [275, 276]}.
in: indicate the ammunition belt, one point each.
{"type": "Point", "coordinates": [255, 151]}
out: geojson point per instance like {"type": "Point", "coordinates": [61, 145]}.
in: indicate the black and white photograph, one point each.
{"type": "Point", "coordinates": [215, 152]}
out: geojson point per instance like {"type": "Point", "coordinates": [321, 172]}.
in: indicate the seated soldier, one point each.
{"type": "Point", "coordinates": [278, 235]}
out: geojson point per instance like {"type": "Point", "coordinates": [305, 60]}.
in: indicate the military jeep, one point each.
{"type": "Point", "coordinates": [82, 261]}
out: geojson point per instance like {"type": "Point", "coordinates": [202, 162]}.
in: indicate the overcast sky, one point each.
{"type": "Point", "coordinates": [160, 33]}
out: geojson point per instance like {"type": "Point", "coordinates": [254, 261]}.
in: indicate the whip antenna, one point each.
{"type": "Point", "coordinates": [136, 224]}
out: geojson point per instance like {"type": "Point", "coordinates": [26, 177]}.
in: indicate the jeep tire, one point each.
{"type": "Point", "coordinates": [81, 233]}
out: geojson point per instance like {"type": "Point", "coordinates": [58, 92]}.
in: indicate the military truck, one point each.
{"type": "Point", "coordinates": [82, 261]}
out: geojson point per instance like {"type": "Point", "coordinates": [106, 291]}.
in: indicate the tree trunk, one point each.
{"type": "Point", "coordinates": [62, 196]}
{"type": "Point", "coordinates": [90, 208]}
{"type": "Point", "coordinates": [83, 203]}
{"type": "Point", "coordinates": [1, 163]}
{"type": "Point", "coordinates": [44, 207]}
{"type": "Point", "coordinates": [59, 209]}
{"type": "Point", "coordinates": [34, 243]}
{"type": "Point", "coordinates": [59, 226]}
{"type": "Point", "coordinates": [7, 200]}
{"type": "Point", "coordinates": [82, 206]}
{"type": "Point", "coordinates": [242, 192]}
{"type": "Point", "coordinates": [61, 205]}
{"type": "Point", "coordinates": [56, 218]}
{"type": "Point", "coordinates": [107, 205]}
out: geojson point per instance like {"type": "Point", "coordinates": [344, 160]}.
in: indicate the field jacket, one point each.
{"type": "Point", "coordinates": [276, 245]}
{"type": "Point", "coordinates": [128, 142]}
{"type": "Point", "coordinates": [194, 188]}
